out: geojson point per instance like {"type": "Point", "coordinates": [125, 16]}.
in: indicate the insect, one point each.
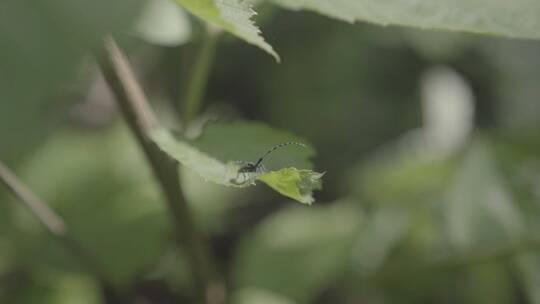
{"type": "Point", "coordinates": [248, 168]}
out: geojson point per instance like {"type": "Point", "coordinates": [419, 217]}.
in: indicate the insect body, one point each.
{"type": "Point", "coordinates": [247, 168]}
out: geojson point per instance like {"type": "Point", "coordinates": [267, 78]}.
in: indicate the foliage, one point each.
{"type": "Point", "coordinates": [497, 17]}
{"type": "Point", "coordinates": [222, 142]}
{"type": "Point", "coordinates": [233, 16]}
{"type": "Point", "coordinates": [397, 219]}
{"type": "Point", "coordinates": [43, 54]}
{"type": "Point", "coordinates": [294, 183]}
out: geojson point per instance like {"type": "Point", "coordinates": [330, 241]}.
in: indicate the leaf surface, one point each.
{"type": "Point", "coordinates": [234, 16]}
{"type": "Point", "coordinates": [517, 19]}
{"type": "Point", "coordinates": [294, 183]}
{"type": "Point", "coordinates": [220, 152]}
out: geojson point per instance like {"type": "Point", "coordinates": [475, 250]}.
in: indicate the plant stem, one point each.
{"type": "Point", "coordinates": [141, 120]}
{"type": "Point", "coordinates": [54, 224]}
{"type": "Point", "coordinates": [199, 76]}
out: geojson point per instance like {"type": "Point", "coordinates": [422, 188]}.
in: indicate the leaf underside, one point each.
{"type": "Point", "coordinates": [294, 183]}
{"type": "Point", "coordinates": [233, 16]}
{"type": "Point", "coordinates": [515, 19]}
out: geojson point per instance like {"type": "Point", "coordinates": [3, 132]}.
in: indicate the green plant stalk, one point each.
{"type": "Point", "coordinates": [141, 120]}
{"type": "Point", "coordinates": [199, 77]}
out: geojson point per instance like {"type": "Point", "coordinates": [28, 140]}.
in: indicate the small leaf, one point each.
{"type": "Point", "coordinates": [216, 154]}
{"type": "Point", "coordinates": [234, 16]}
{"type": "Point", "coordinates": [294, 183]}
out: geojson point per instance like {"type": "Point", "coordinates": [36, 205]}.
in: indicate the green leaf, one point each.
{"type": "Point", "coordinates": [517, 19]}
{"type": "Point", "coordinates": [234, 16]}
{"type": "Point", "coordinates": [209, 168]}
{"type": "Point", "coordinates": [401, 176]}
{"type": "Point", "coordinates": [120, 212]}
{"type": "Point", "coordinates": [297, 252]}
{"type": "Point", "coordinates": [481, 209]}
{"type": "Point", "coordinates": [294, 183]}
{"type": "Point", "coordinates": [248, 140]}
{"type": "Point", "coordinates": [55, 288]}
{"type": "Point", "coordinates": [40, 59]}
{"type": "Point", "coordinates": [527, 265]}
{"type": "Point", "coordinates": [215, 155]}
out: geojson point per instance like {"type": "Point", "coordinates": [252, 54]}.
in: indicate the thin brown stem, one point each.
{"type": "Point", "coordinates": [141, 119]}
{"type": "Point", "coordinates": [54, 224]}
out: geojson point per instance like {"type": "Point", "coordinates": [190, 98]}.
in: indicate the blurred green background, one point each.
{"type": "Point", "coordinates": [430, 142]}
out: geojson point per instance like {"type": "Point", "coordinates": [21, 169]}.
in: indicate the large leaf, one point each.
{"type": "Point", "coordinates": [111, 206]}
{"type": "Point", "coordinates": [248, 140]}
{"type": "Point", "coordinates": [234, 16]}
{"type": "Point", "coordinates": [219, 153]}
{"type": "Point", "coordinates": [517, 18]}
{"type": "Point", "coordinates": [40, 55]}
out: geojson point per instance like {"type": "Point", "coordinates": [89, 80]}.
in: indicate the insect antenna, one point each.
{"type": "Point", "coordinates": [259, 161]}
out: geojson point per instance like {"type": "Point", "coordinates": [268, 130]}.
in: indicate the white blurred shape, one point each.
{"type": "Point", "coordinates": [259, 296]}
{"type": "Point", "coordinates": [448, 110]}
{"type": "Point", "coordinates": [164, 23]}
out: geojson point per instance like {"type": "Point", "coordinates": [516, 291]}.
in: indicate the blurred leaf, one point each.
{"type": "Point", "coordinates": [480, 206]}
{"type": "Point", "coordinates": [164, 23]}
{"type": "Point", "coordinates": [294, 183]}
{"type": "Point", "coordinates": [234, 16]}
{"type": "Point", "coordinates": [528, 268]}
{"type": "Point", "coordinates": [382, 231]}
{"type": "Point", "coordinates": [38, 56]}
{"type": "Point", "coordinates": [108, 203]}
{"type": "Point", "coordinates": [517, 153]}
{"type": "Point", "coordinates": [399, 176]}
{"type": "Point", "coordinates": [298, 250]}
{"type": "Point", "coordinates": [480, 213]}
{"type": "Point", "coordinates": [517, 19]}
{"type": "Point", "coordinates": [57, 288]}
{"type": "Point", "coordinates": [492, 284]}
{"type": "Point", "coordinates": [209, 201]}
{"type": "Point", "coordinates": [215, 154]}
{"type": "Point", "coordinates": [72, 289]}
